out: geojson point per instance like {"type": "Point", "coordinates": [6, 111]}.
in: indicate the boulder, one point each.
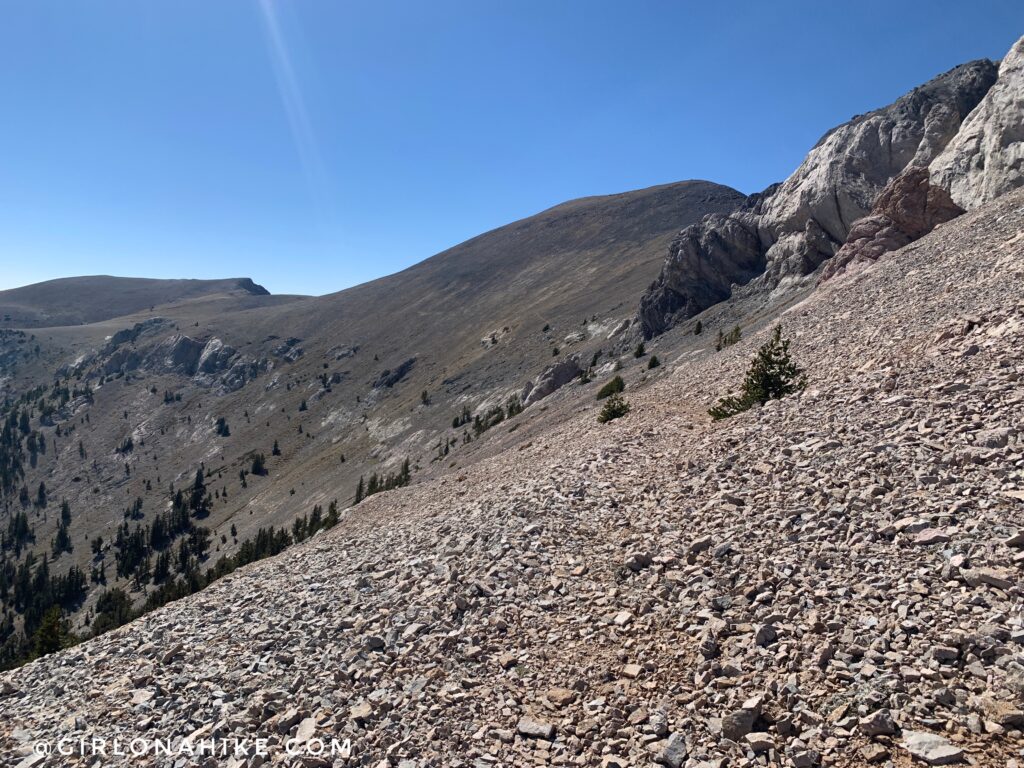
{"type": "Point", "coordinates": [553, 377]}
{"type": "Point", "coordinates": [535, 729]}
{"type": "Point", "coordinates": [931, 748]}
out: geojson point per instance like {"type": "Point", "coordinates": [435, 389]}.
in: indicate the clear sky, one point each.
{"type": "Point", "coordinates": [315, 144]}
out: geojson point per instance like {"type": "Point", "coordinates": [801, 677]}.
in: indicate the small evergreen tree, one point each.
{"type": "Point", "coordinates": [259, 465]}
{"type": "Point", "coordinates": [614, 408]}
{"type": "Point", "coordinates": [654, 362]}
{"type": "Point", "coordinates": [640, 350]}
{"type": "Point", "coordinates": [698, 329]}
{"type": "Point", "coordinates": [276, 450]}
{"type": "Point", "coordinates": [52, 634]}
{"type": "Point", "coordinates": [771, 376]}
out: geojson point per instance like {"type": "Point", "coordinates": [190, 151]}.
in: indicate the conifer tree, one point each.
{"type": "Point", "coordinates": [772, 375]}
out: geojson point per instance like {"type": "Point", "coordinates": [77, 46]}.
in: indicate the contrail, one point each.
{"type": "Point", "coordinates": [294, 106]}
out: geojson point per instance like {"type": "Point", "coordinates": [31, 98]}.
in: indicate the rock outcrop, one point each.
{"type": "Point", "coordinates": [210, 363]}
{"type": "Point", "coordinates": [986, 157]}
{"type": "Point", "coordinates": [553, 377]}
{"type": "Point", "coordinates": [389, 377]}
{"type": "Point", "coordinates": [909, 208]}
{"type": "Point", "coordinates": [784, 234]}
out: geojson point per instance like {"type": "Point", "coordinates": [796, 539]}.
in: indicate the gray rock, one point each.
{"type": "Point", "coordinates": [931, 748]}
{"type": "Point", "coordinates": [674, 752]}
{"type": "Point", "coordinates": [738, 723]}
{"type": "Point", "coordinates": [535, 729]}
{"type": "Point", "coordinates": [553, 377]}
{"type": "Point", "coordinates": [878, 723]}
{"type": "Point", "coordinates": [986, 157]}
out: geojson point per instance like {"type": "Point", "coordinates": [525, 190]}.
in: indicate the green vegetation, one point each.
{"type": "Point", "coordinates": [615, 407]}
{"type": "Point", "coordinates": [640, 350]}
{"type": "Point", "coordinates": [610, 388]}
{"type": "Point", "coordinates": [378, 483]}
{"type": "Point", "coordinates": [728, 339]}
{"type": "Point", "coordinates": [653, 363]}
{"type": "Point", "coordinates": [772, 375]}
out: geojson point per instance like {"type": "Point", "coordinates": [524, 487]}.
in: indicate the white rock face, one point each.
{"type": "Point", "coordinates": [986, 157]}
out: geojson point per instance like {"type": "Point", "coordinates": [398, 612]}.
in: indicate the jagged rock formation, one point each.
{"type": "Point", "coordinates": [831, 580]}
{"type": "Point", "coordinates": [986, 158]}
{"type": "Point", "coordinates": [782, 235]}
{"type": "Point", "coordinates": [553, 377]}
{"type": "Point", "coordinates": [909, 208]}
{"type": "Point", "coordinates": [388, 377]}
{"type": "Point", "coordinates": [207, 363]}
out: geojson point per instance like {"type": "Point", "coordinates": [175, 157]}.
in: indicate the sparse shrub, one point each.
{"type": "Point", "coordinates": [614, 408]}
{"type": "Point", "coordinates": [772, 376]}
{"type": "Point", "coordinates": [613, 387]}
{"type": "Point", "coordinates": [728, 339]}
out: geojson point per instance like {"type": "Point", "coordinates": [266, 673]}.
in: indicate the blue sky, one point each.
{"type": "Point", "coordinates": [316, 144]}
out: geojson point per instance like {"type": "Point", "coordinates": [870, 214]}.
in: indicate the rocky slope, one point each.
{"type": "Point", "coordinates": [781, 236]}
{"type": "Point", "coordinates": [116, 417]}
{"type": "Point", "coordinates": [832, 579]}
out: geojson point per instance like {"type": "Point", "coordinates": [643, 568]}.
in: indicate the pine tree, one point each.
{"type": "Point", "coordinates": [614, 408]}
{"type": "Point", "coordinates": [360, 490]}
{"type": "Point", "coordinates": [772, 375]}
{"type": "Point", "coordinates": [52, 634]}
{"type": "Point", "coordinates": [259, 464]}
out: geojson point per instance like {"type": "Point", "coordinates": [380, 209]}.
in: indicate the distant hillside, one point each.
{"type": "Point", "coordinates": [78, 300]}
{"type": "Point", "coordinates": [288, 403]}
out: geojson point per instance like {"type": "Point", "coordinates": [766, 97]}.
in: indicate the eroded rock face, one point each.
{"type": "Point", "coordinates": [780, 237]}
{"type": "Point", "coordinates": [909, 208]}
{"type": "Point", "coordinates": [177, 354]}
{"type": "Point", "coordinates": [554, 377]}
{"type": "Point", "coordinates": [210, 363]}
{"type": "Point", "coordinates": [986, 157]}
{"type": "Point", "coordinates": [708, 257]}
{"type": "Point", "coordinates": [388, 377]}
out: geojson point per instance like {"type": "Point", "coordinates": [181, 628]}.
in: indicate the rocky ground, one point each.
{"type": "Point", "coordinates": [833, 579]}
